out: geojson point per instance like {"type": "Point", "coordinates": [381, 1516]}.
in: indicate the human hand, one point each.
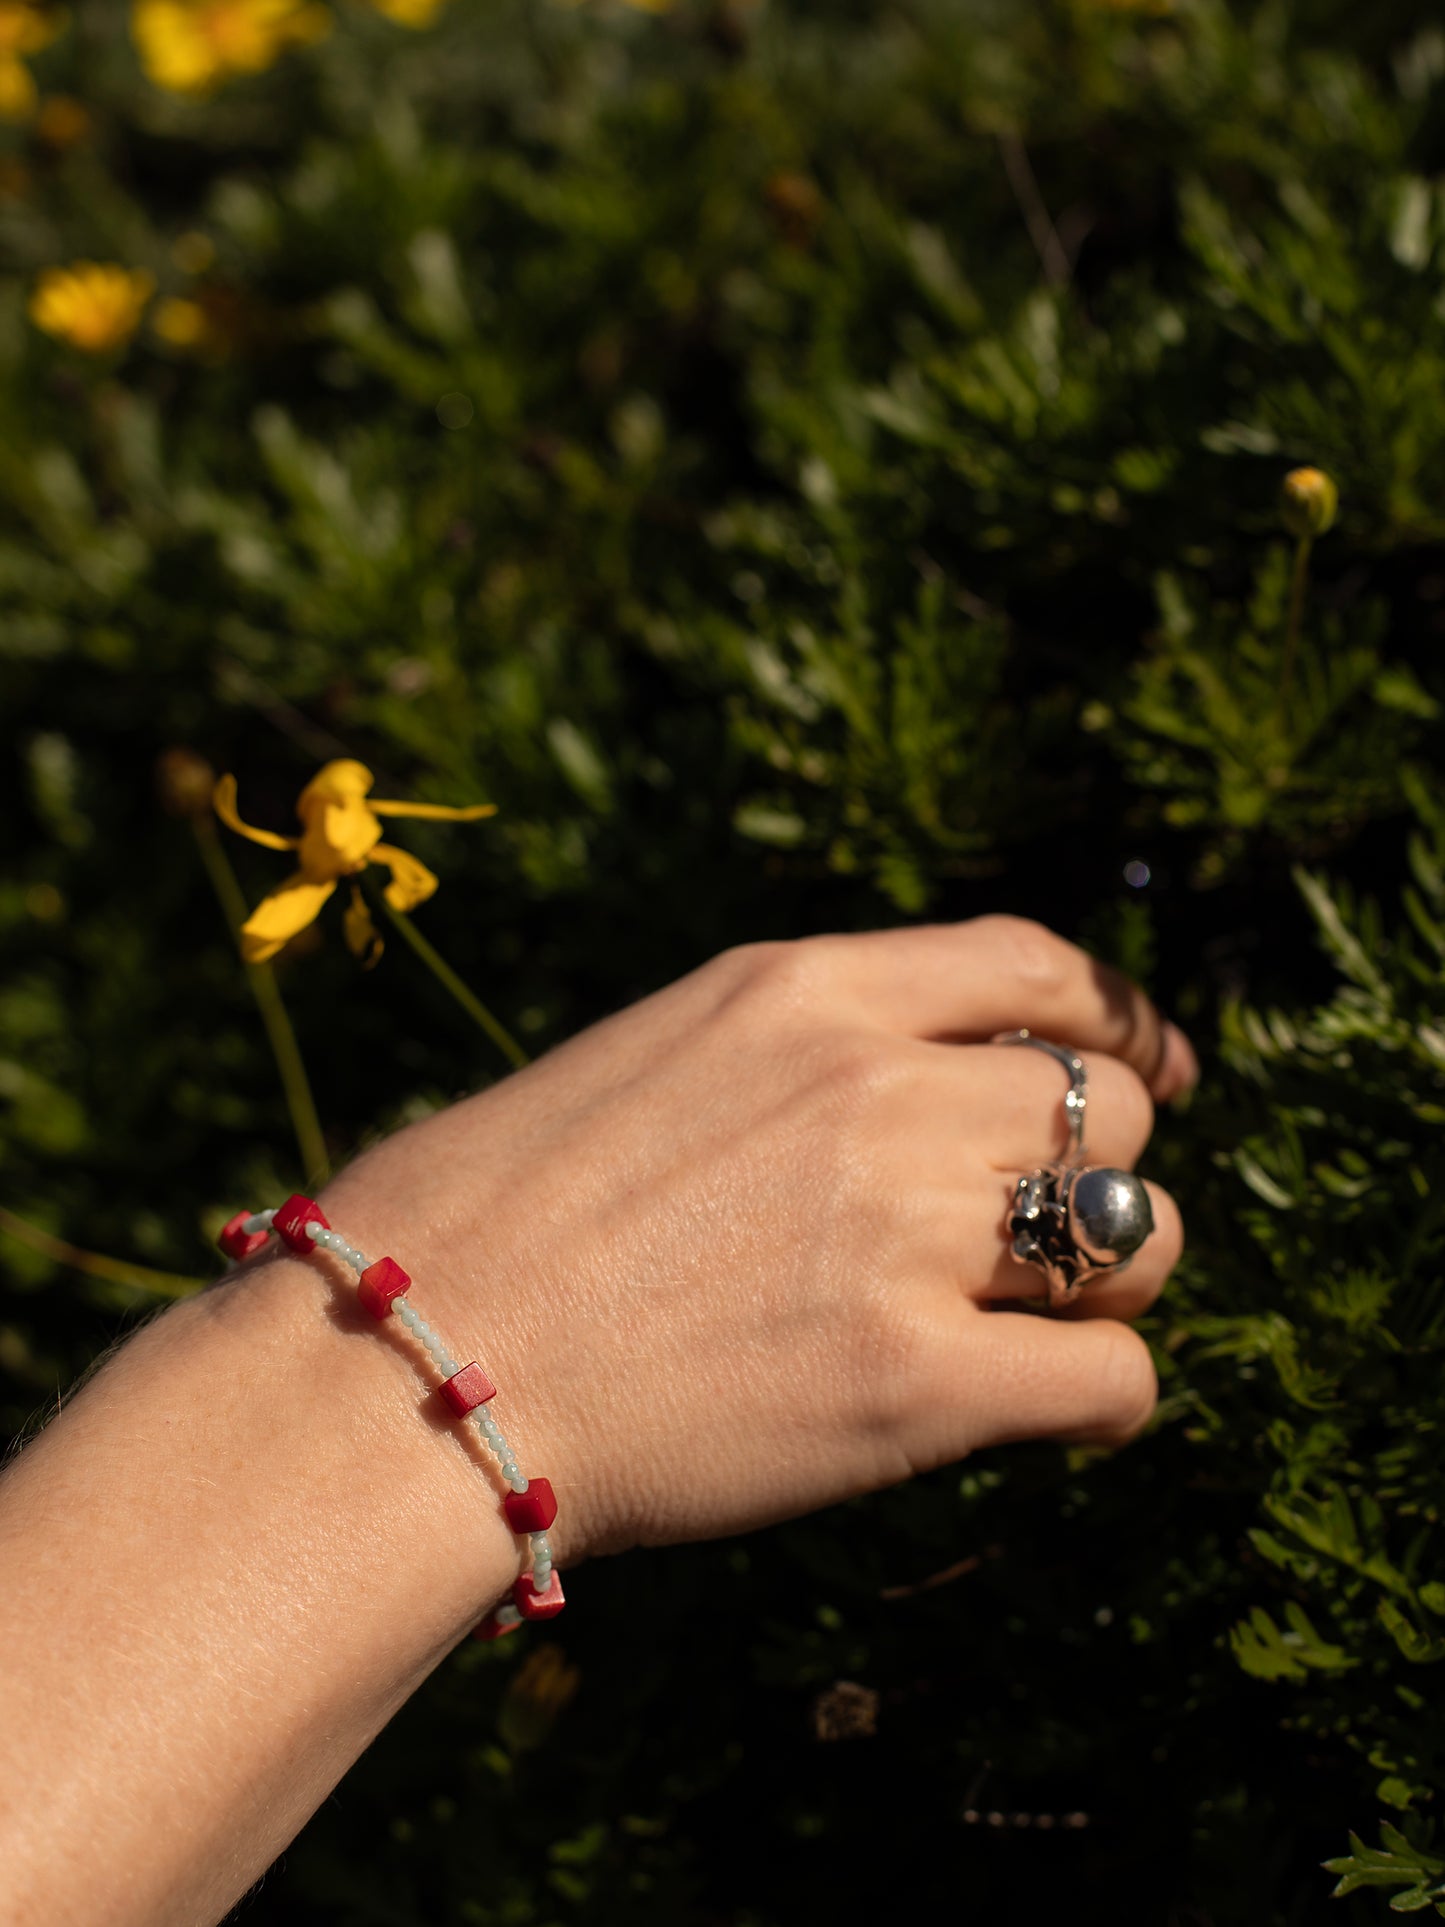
{"type": "Point", "coordinates": [737, 1252]}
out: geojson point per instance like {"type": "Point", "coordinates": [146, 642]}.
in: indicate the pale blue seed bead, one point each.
{"type": "Point", "coordinates": [540, 1548]}
{"type": "Point", "coordinates": [507, 1616]}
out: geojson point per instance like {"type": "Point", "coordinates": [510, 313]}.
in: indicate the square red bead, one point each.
{"type": "Point", "coordinates": [532, 1604]}
{"type": "Point", "coordinates": [238, 1243]}
{"type": "Point", "coordinates": [494, 1628]}
{"type": "Point", "coordinates": [292, 1219]}
{"type": "Point", "coordinates": [465, 1390]}
{"type": "Point", "coordinates": [532, 1510]}
{"type": "Point", "coordinates": [380, 1285]}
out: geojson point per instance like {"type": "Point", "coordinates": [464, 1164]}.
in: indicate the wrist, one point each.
{"type": "Point", "coordinates": [244, 1543]}
{"type": "Point", "coordinates": [377, 1291]}
{"type": "Point", "coordinates": [388, 1460]}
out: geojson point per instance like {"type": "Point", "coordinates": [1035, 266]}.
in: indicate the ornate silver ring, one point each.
{"type": "Point", "coordinates": [1073, 1220]}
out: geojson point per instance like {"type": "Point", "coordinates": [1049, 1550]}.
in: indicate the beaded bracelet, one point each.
{"type": "Point", "coordinates": [530, 1506]}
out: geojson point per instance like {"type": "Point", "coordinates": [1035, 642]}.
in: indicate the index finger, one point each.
{"type": "Point", "coordinates": [962, 982]}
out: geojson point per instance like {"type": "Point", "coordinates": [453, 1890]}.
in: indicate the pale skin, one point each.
{"type": "Point", "coordinates": [732, 1255]}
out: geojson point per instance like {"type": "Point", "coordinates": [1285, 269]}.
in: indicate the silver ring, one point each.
{"type": "Point", "coordinates": [1077, 1099]}
{"type": "Point", "coordinates": [1074, 1220]}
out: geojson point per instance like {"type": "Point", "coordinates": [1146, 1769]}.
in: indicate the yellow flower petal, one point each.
{"type": "Point", "coordinates": [190, 46]}
{"type": "Point", "coordinates": [94, 305]}
{"type": "Point", "coordinates": [224, 800]}
{"type": "Point", "coordinates": [362, 937]}
{"type": "Point", "coordinates": [340, 782]}
{"type": "Point", "coordinates": [277, 918]}
{"type": "Point", "coordinates": [437, 812]}
{"type": "Point", "coordinates": [339, 838]}
{"type": "Point", "coordinates": [411, 881]}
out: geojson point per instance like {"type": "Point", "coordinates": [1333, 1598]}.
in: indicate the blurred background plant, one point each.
{"type": "Point", "coordinates": [811, 465]}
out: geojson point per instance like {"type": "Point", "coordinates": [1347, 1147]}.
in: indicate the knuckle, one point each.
{"type": "Point", "coordinates": [859, 1071]}
{"type": "Point", "coordinates": [1036, 955]}
{"type": "Point", "coordinates": [786, 974]}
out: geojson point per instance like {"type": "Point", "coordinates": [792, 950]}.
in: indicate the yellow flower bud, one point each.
{"type": "Point", "coordinates": [1308, 502]}
{"type": "Point", "coordinates": [185, 782]}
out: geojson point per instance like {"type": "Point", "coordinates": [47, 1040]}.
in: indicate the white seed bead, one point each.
{"type": "Point", "coordinates": [508, 1616]}
{"type": "Point", "coordinates": [540, 1548]}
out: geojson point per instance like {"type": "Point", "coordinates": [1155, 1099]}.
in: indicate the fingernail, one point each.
{"type": "Point", "coordinates": [1181, 1067]}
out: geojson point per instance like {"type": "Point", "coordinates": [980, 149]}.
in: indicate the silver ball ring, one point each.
{"type": "Point", "coordinates": [1074, 1221]}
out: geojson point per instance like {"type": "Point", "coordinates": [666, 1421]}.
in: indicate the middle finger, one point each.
{"type": "Point", "coordinates": [1021, 1116]}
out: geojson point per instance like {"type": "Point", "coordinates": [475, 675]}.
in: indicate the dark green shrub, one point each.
{"type": "Point", "coordinates": [811, 466]}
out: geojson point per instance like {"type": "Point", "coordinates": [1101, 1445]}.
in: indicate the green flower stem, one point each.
{"type": "Point", "coordinates": [310, 1143]}
{"type": "Point", "coordinates": [1298, 583]}
{"type": "Point", "coordinates": [160, 1284]}
{"type": "Point", "coordinates": [471, 1004]}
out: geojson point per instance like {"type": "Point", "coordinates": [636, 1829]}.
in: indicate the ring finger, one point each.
{"type": "Point", "coordinates": [1027, 1120]}
{"type": "Point", "coordinates": [1125, 1293]}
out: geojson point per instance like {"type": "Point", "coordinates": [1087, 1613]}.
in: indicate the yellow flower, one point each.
{"type": "Point", "coordinates": [24, 29]}
{"type": "Point", "coordinates": [191, 46]}
{"type": "Point", "coordinates": [410, 13]}
{"type": "Point", "coordinates": [1309, 500]}
{"type": "Point", "coordinates": [341, 834]}
{"type": "Point", "coordinates": [95, 306]}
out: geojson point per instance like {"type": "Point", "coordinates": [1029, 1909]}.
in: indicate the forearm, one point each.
{"type": "Point", "coordinates": [223, 1567]}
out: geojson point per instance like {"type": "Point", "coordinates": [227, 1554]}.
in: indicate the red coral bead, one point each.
{"type": "Point", "coordinates": [465, 1390]}
{"type": "Point", "coordinates": [532, 1510]}
{"type": "Point", "coordinates": [380, 1284]}
{"type": "Point", "coordinates": [295, 1215]}
{"type": "Point", "coordinates": [235, 1242]}
{"type": "Point", "coordinates": [532, 1604]}
{"type": "Point", "coordinates": [494, 1628]}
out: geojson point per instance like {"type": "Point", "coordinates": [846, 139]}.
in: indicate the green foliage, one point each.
{"type": "Point", "coordinates": [811, 465]}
